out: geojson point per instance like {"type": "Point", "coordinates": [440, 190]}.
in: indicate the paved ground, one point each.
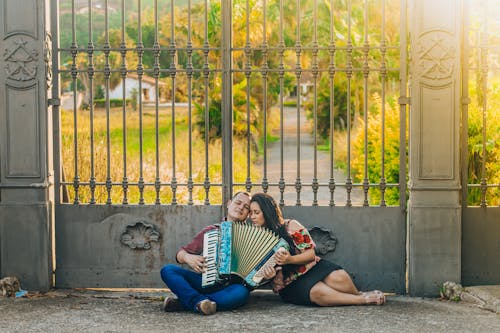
{"type": "Point", "coordinates": [133, 311]}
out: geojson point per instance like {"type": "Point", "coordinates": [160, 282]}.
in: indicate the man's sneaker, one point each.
{"type": "Point", "coordinates": [206, 307]}
{"type": "Point", "coordinates": [172, 304]}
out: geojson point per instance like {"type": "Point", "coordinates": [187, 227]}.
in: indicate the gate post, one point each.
{"type": "Point", "coordinates": [434, 214]}
{"type": "Point", "coordinates": [26, 191]}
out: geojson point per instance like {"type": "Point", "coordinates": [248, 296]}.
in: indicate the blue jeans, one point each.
{"type": "Point", "coordinates": [186, 285]}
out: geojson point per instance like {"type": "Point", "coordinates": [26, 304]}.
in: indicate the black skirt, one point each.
{"type": "Point", "coordinates": [298, 291]}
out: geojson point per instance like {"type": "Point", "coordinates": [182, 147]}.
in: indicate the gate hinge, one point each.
{"type": "Point", "coordinates": [54, 101]}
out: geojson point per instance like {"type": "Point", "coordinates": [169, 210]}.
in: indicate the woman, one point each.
{"type": "Point", "coordinates": [300, 276]}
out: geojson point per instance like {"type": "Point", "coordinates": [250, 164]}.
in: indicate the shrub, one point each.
{"type": "Point", "coordinates": [491, 146]}
{"type": "Point", "coordinates": [323, 107]}
{"type": "Point", "coordinates": [391, 151]}
{"type": "Point", "coordinates": [113, 102]}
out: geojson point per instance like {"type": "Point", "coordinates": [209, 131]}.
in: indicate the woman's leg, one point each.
{"type": "Point", "coordinates": [341, 281]}
{"type": "Point", "coordinates": [323, 295]}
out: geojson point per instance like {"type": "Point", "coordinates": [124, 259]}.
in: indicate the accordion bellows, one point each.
{"type": "Point", "coordinates": [240, 249]}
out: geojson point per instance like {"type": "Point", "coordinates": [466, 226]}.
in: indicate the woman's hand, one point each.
{"type": "Point", "coordinates": [196, 262]}
{"type": "Point", "coordinates": [282, 257]}
{"type": "Point", "coordinates": [269, 272]}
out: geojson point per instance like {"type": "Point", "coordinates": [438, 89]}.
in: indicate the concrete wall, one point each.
{"type": "Point", "coordinates": [369, 242]}
{"type": "Point", "coordinates": [94, 247]}
{"type": "Point", "coordinates": [481, 246]}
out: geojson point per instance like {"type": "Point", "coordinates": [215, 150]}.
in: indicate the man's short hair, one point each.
{"type": "Point", "coordinates": [241, 192]}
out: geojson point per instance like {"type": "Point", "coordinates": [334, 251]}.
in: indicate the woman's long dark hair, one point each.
{"type": "Point", "coordinates": [273, 217]}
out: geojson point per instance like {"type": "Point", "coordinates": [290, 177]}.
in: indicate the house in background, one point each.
{"type": "Point", "coordinates": [306, 85]}
{"type": "Point", "coordinates": [148, 89]}
{"type": "Point", "coordinates": [98, 6]}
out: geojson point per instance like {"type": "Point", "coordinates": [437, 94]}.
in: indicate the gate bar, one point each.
{"type": "Point", "coordinates": [366, 72]}
{"type": "Point", "coordinates": [156, 74]}
{"type": "Point", "coordinates": [465, 106]}
{"type": "Point", "coordinates": [107, 74]}
{"type": "Point", "coordinates": [298, 73]}
{"type": "Point", "coordinates": [189, 72]}
{"type": "Point", "coordinates": [226, 104]}
{"type": "Point", "coordinates": [349, 50]}
{"type": "Point", "coordinates": [91, 73]}
{"type": "Point", "coordinates": [483, 62]}
{"type": "Point", "coordinates": [315, 72]}
{"type": "Point", "coordinates": [383, 74]}
{"type": "Point", "coordinates": [281, 51]}
{"type": "Point", "coordinates": [54, 27]}
{"type": "Point", "coordinates": [265, 67]}
{"type": "Point", "coordinates": [403, 101]}
{"type": "Point", "coordinates": [173, 58]}
{"type": "Point", "coordinates": [331, 72]}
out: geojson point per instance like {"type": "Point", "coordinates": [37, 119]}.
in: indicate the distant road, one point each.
{"type": "Point", "coordinates": [306, 165]}
{"type": "Point", "coordinates": [67, 100]}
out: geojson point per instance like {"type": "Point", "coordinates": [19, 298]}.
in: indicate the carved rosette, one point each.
{"type": "Point", "coordinates": [325, 240]}
{"type": "Point", "coordinates": [20, 56]}
{"type": "Point", "coordinates": [140, 235]}
{"type": "Point", "coordinates": [437, 55]}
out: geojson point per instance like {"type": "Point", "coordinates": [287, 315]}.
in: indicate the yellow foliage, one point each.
{"type": "Point", "coordinates": [380, 133]}
{"type": "Point", "coordinates": [487, 147]}
{"type": "Point", "coordinates": [149, 171]}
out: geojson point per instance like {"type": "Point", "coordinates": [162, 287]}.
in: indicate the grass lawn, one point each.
{"type": "Point", "coordinates": [151, 165]}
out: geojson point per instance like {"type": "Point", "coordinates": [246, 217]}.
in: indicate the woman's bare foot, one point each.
{"type": "Point", "coordinates": [375, 297]}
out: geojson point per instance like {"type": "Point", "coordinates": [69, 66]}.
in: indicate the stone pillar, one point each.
{"type": "Point", "coordinates": [434, 213]}
{"type": "Point", "coordinates": [25, 144]}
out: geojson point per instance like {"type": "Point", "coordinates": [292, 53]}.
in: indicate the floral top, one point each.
{"type": "Point", "coordinates": [302, 241]}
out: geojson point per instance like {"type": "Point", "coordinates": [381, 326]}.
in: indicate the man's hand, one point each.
{"type": "Point", "coordinates": [196, 262]}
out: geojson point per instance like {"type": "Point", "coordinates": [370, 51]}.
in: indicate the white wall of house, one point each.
{"type": "Point", "coordinates": [148, 90]}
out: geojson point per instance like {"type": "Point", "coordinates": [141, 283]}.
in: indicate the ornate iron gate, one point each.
{"type": "Point", "coordinates": [481, 197]}
{"type": "Point", "coordinates": [304, 100]}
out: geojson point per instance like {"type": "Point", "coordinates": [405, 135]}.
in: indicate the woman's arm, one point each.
{"type": "Point", "coordinates": [304, 243]}
{"type": "Point", "coordinates": [285, 258]}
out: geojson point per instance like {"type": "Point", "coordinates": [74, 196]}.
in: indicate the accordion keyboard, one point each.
{"type": "Point", "coordinates": [210, 241]}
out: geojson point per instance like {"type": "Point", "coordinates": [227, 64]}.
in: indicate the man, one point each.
{"type": "Point", "coordinates": [186, 284]}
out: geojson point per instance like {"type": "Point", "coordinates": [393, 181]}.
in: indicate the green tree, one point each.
{"type": "Point", "coordinates": [215, 114]}
{"type": "Point", "coordinates": [357, 59]}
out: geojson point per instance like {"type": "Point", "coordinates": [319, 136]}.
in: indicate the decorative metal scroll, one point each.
{"type": "Point", "coordinates": [324, 239]}
{"type": "Point", "coordinates": [140, 235]}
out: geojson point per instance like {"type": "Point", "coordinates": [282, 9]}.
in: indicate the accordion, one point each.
{"type": "Point", "coordinates": [240, 249]}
